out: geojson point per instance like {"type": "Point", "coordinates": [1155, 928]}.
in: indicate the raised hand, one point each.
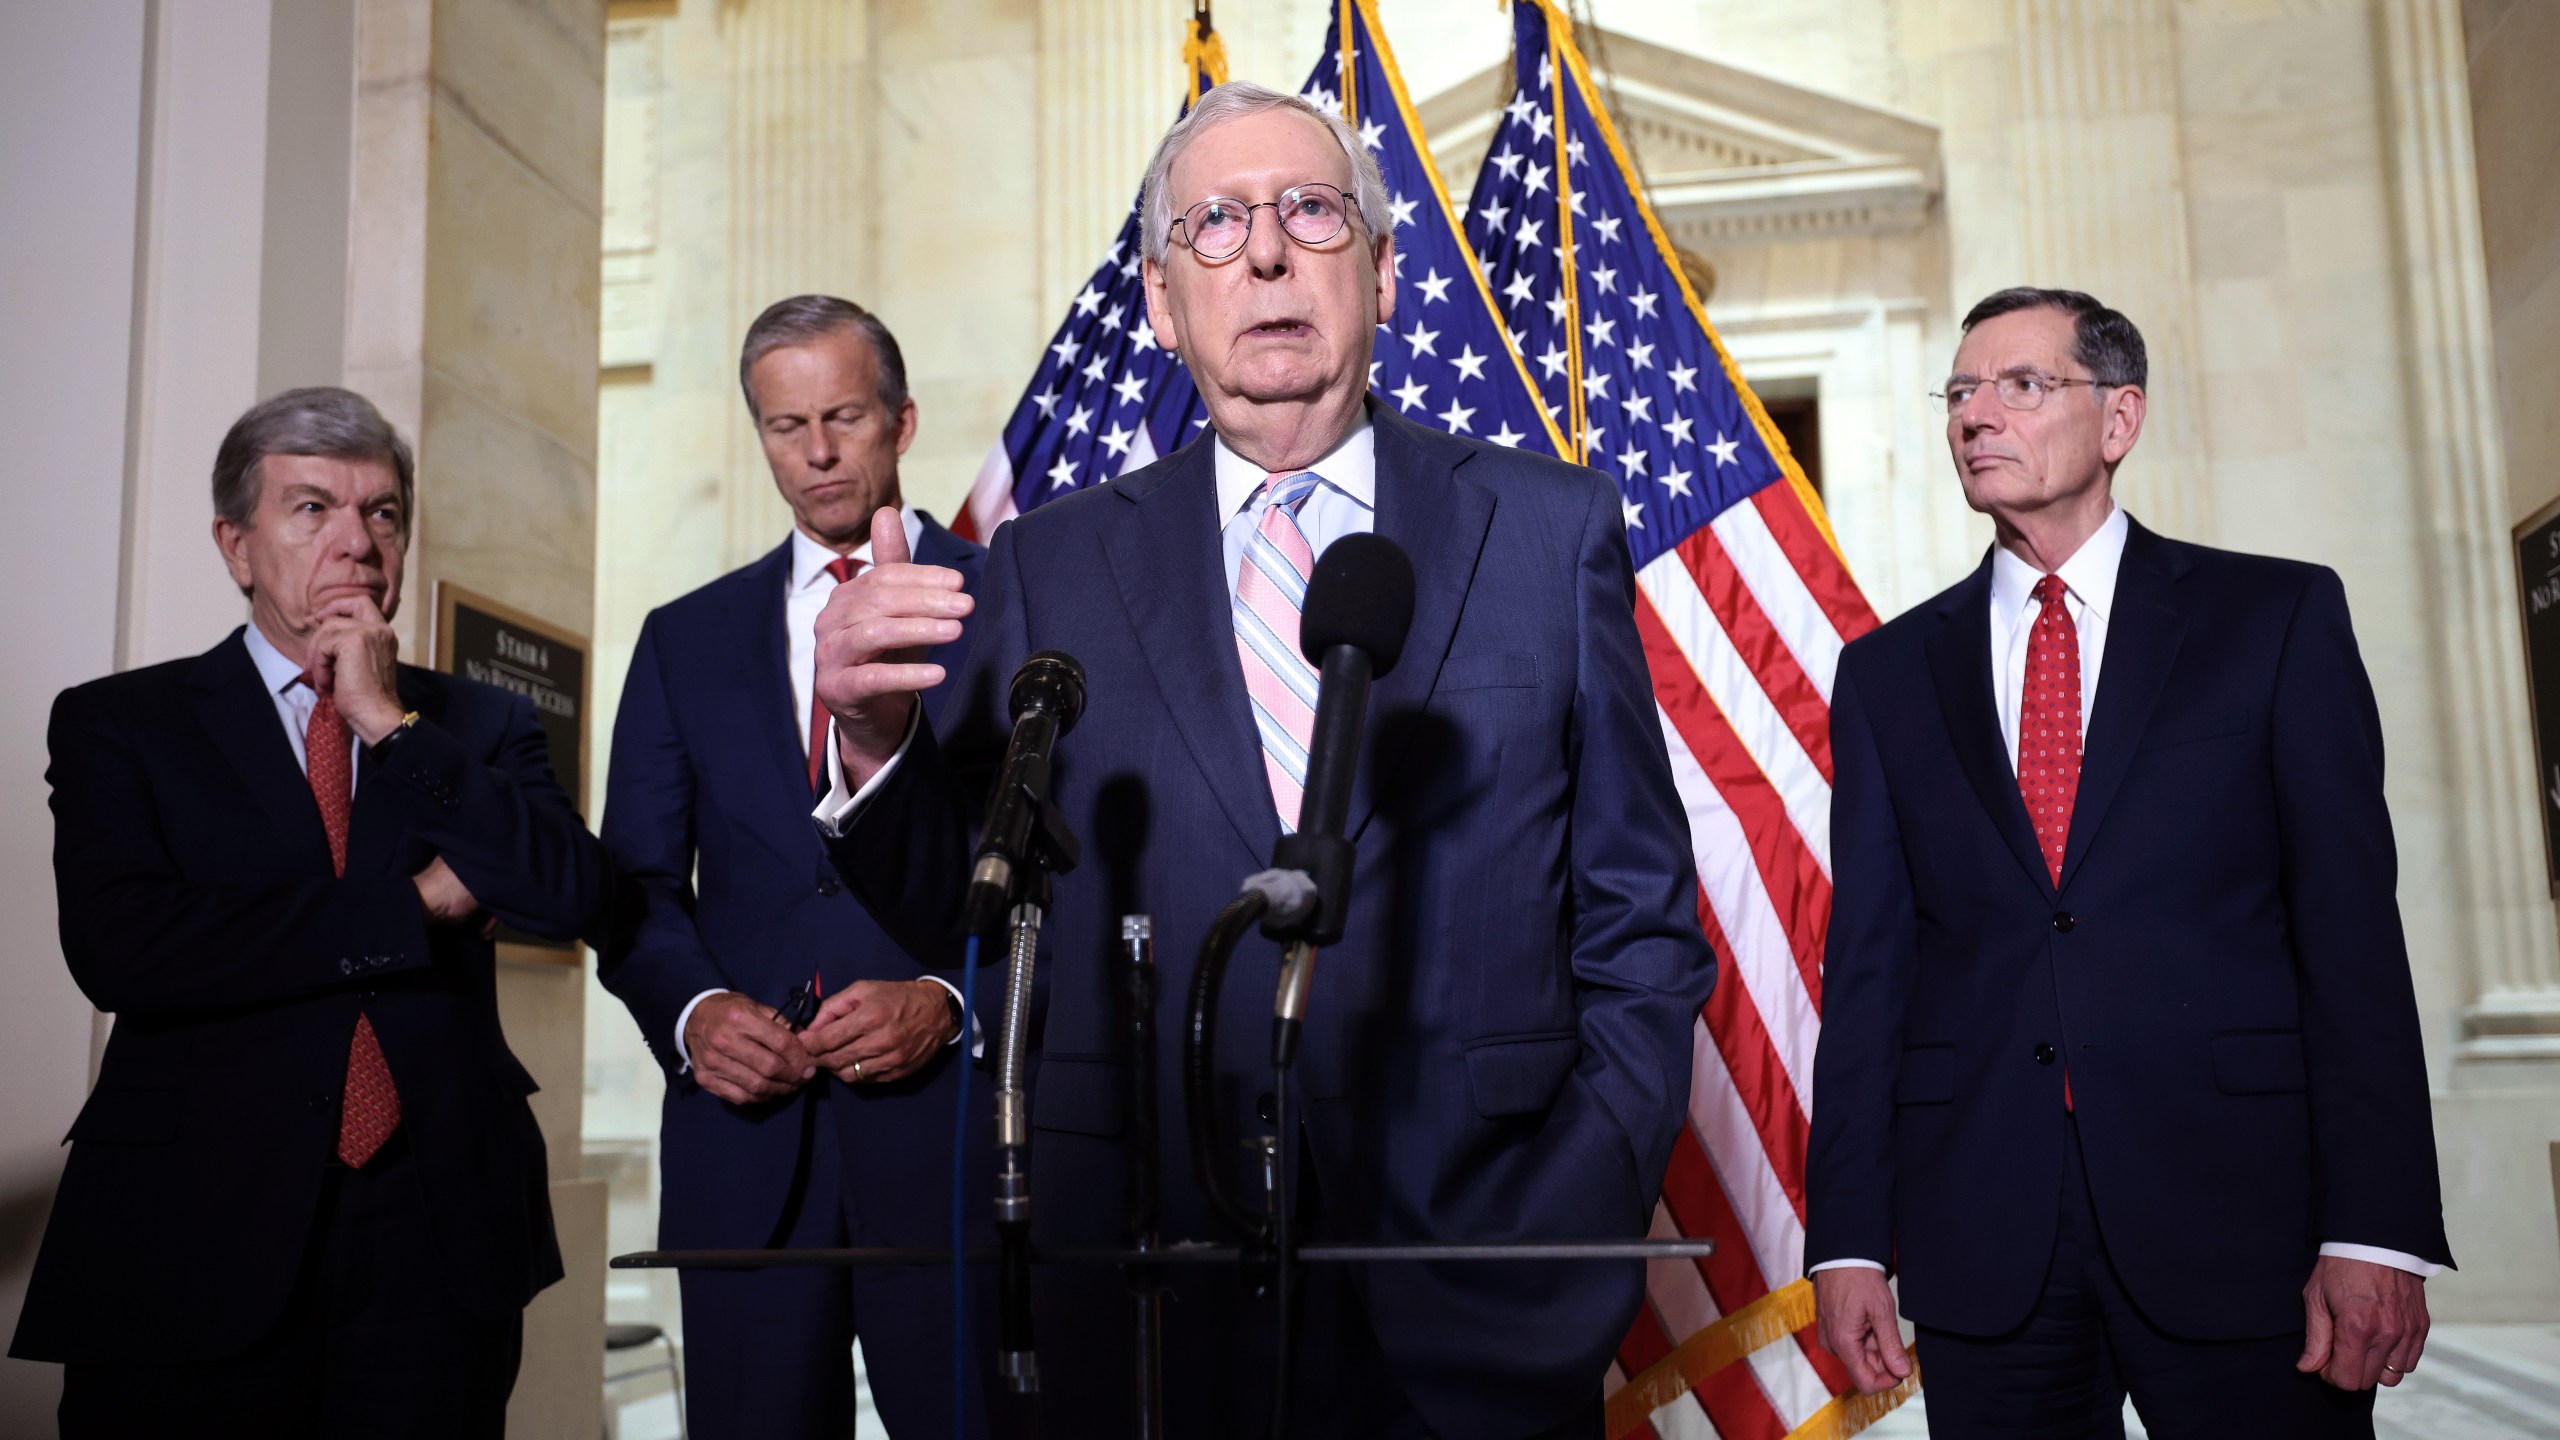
{"type": "Point", "coordinates": [872, 636]}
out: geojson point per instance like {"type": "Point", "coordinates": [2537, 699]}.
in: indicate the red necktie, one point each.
{"type": "Point", "coordinates": [371, 1110]}
{"type": "Point", "coordinates": [843, 567]}
{"type": "Point", "coordinates": [2049, 734]}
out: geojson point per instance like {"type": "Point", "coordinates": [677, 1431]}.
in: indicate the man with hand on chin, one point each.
{"type": "Point", "coordinates": [2120, 1064]}
{"type": "Point", "coordinates": [1499, 1046]}
{"type": "Point", "coordinates": [307, 1196]}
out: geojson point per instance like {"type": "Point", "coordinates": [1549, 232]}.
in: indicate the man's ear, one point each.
{"type": "Point", "coordinates": [1384, 256]}
{"type": "Point", "coordinates": [906, 425]}
{"type": "Point", "coordinates": [1160, 307]}
{"type": "Point", "coordinates": [2126, 407]}
{"type": "Point", "coordinates": [233, 541]}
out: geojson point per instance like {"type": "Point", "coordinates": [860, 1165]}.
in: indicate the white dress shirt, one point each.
{"type": "Point", "coordinates": [1345, 504]}
{"type": "Point", "coordinates": [805, 595]}
{"type": "Point", "coordinates": [294, 700]}
{"type": "Point", "coordinates": [2088, 596]}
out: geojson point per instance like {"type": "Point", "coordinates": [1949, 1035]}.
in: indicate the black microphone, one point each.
{"type": "Point", "coordinates": [1359, 605]}
{"type": "Point", "coordinates": [1047, 696]}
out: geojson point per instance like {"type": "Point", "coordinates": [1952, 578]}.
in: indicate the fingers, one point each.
{"type": "Point", "coordinates": [2315, 1330]}
{"type": "Point", "coordinates": [1856, 1312]}
{"type": "Point", "coordinates": [888, 537]}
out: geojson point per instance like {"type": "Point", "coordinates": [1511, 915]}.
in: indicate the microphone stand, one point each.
{"type": "Point", "coordinates": [1146, 1283]}
{"type": "Point", "coordinates": [1051, 849]}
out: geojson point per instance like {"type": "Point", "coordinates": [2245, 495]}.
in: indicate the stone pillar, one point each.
{"type": "Point", "coordinates": [2514, 1009]}
{"type": "Point", "coordinates": [2102, 208]}
{"type": "Point", "coordinates": [472, 320]}
{"type": "Point", "coordinates": [1111, 80]}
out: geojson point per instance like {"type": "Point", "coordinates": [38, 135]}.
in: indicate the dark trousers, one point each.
{"type": "Point", "coordinates": [368, 1345]}
{"type": "Point", "coordinates": [769, 1353]}
{"type": "Point", "coordinates": [2064, 1374]}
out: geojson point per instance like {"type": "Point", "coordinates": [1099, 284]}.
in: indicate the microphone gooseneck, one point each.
{"type": "Point", "coordinates": [1046, 699]}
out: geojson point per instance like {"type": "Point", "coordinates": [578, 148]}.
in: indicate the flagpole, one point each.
{"type": "Point", "coordinates": [1349, 66]}
{"type": "Point", "coordinates": [1570, 278]}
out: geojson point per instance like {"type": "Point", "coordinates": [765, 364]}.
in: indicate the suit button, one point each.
{"type": "Point", "coordinates": [1267, 1106]}
{"type": "Point", "coordinates": [2044, 1053]}
{"type": "Point", "coordinates": [2063, 920]}
{"type": "Point", "coordinates": [346, 965]}
{"type": "Point", "coordinates": [321, 1100]}
{"type": "Point", "coordinates": [829, 885]}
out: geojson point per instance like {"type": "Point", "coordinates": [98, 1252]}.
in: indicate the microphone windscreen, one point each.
{"type": "Point", "coordinates": [1052, 681]}
{"type": "Point", "coordinates": [1360, 595]}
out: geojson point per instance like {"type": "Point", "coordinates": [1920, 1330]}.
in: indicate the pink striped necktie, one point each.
{"type": "Point", "coordinates": [1271, 587]}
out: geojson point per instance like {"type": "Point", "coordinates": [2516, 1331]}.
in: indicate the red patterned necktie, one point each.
{"type": "Point", "coordinates": [2049, 734]}
{"type": "Point", "coordinates": [843, 567]}
{"type": "Point", "coordinates": [371, 1110]}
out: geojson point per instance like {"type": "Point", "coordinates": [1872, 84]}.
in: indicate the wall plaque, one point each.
{"type": "Point", "coordinates": [2538, 586]}
{"type": "Point", "coordinates": [480, 639]}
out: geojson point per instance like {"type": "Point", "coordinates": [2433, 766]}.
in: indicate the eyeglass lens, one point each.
{"type": "Point", "coordinates": [1218, 228]}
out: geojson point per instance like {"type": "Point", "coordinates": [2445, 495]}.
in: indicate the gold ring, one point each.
{"type": "Point", "coordinates": [857, 1072]}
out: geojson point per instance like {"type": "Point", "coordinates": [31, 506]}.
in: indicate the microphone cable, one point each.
{"type": "Point", "coordinates": [960, 1205]}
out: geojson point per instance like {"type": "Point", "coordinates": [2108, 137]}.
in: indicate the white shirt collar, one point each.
{"type": "Point", "coordinates": [277, 672]}
{"type": "Point", "coordinates": [2090, 573]}
{"type": "Point", "coordinates": [809, 559]}
{"type": "Point", "coordinates": [1351, 467]}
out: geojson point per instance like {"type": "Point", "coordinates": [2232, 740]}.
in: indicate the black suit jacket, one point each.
{"type": "Point", "coordinates": [198, 905]}
{"type": "Point", "coordinates": [2221, 967]}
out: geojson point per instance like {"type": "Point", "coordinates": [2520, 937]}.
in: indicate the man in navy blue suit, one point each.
{"type": "Point", "coordinates": [2120, 1065]}
{"type": "Point", "coordinates": [838, 1133]}
{"type": "Point", "coordinates": [1499, 1047]}
{"type": "Point", "coordinates": [308, 1196]}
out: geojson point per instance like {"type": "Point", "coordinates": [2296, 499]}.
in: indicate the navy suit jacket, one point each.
{"type": "Point", "coordinates": [1499, 1047]}
{"type": "Point", "coordinates": [198, 905]}
{"type": "Point", "coordinates": [727, 887]}
{"type": "Point", "coordinates": [2221, 968]}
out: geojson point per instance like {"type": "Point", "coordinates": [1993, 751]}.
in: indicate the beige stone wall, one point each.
{"type": "Point", "coordinates": [2515, 128]}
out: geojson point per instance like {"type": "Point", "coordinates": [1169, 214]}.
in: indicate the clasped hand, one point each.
{"type": "Point", "coordinates": [870, 1032]}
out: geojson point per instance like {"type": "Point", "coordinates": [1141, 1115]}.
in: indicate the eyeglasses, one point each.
{"type": "Point", "coordinates": [1312, 213]}
{"type": "Point", "coordinates": [2019, 389]}
{"type": "Point", "coordinates": [801, 1005]}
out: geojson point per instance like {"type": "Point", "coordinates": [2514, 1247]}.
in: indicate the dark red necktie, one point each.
{"type": "Point", "coordinates": [843, 567]}
{"type": "Point", "coordinates": [371, 1110]}
{"type": "Point", "coordinates": [2049, 734]}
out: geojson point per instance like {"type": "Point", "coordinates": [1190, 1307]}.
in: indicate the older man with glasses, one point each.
{"type": "Point", "coordinates": [2120, 1064]}
{"type": "Point", "coordinates": [1499, 1046]}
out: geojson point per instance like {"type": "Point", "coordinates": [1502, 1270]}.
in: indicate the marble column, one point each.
{"type": "Point", "coordinates": [472, 320]}
{"type": "Point", "coordinates": [2102, 208]}
{"type": "Point", "coordinates": [2457, 439]}
{"type": "Point", "coordinates": [1111, 80]}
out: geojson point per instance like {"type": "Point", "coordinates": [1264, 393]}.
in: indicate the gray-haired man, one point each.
{"type": "Point", "coordinates": [838, 1133]}
{"type": "Point", "coordinates": [307, 1196]}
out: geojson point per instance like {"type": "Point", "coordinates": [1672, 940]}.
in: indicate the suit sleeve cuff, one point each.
{"type": "Point", "coordinates": [2376, 1255]}
{"type": "Point", "coordinates": [977, 1035]}
{"type": "Point", "coordinates": [837, 812]}
{"type": "Point", "coordinates": [683, 1018]}
{"type": "Point", "coordinates": [1875, 1265]}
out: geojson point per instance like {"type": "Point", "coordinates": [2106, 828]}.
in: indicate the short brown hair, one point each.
{"type": "Point", "coordinates": [314, 420]}
{"type": "Point", "coordinates": [804, 318]}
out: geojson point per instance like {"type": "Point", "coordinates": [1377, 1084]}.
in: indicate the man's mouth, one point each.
{"type": "Point", "coordinates": [1283, 330]}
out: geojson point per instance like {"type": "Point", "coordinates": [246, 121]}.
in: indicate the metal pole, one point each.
{"type": "Point", "coordinates": [1017, 1361]}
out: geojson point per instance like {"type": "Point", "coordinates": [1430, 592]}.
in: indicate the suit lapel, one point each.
{"type": "Point", "coordinates": [1166, 560]}
{"type": "Point", "coordinates": [2143, 636]}
{"type": "Point", "coordinates": [759, 614]}
{"type": "Point", "coordinates": [1440, 521]}
{"type": "Point", "coordinates": [1960, 664]}
{"type": "Point", "coordinates": [234, 707]}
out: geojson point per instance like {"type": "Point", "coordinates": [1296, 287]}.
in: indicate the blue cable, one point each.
{"type": "Point", "coordinates": [959, 1207]}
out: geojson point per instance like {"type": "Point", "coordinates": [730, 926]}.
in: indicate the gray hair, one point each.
{"type": "Point", "coordinates": [1233, 101]}
{"type": "Point", "coordinates": [805, 318]}
{"type": "Point", "coordinates": [315, 420]}
{"type": "Point", "coordinates": [2101, 339]}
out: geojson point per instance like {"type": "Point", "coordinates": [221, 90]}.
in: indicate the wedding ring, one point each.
{"type": "Point", "coordinates": [857, 1072]}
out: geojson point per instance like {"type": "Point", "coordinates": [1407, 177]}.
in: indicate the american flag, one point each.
{"type": "Point", "coordinates": [1108, 399]}
{"type": "Point", "coordinates": [1744, 603]}
{"type": "Point", "coordinates": [1744, 600]}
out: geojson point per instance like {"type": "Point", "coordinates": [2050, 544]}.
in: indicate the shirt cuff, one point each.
{"type": "Point", "coordinates": [1875, 1265]}
{"type": "Point", "coordinates": [978, 1037]}
{"type": "Point", "coordinates": [2375, 1255]}
{"type": "Point", "coordinates": [683, 1017]}
{"type": "Point", "coordinates": [836, 813]}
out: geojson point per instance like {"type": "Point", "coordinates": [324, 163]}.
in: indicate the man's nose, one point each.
{"type": "Point", "coordinates": [819, 453]}
{"type": "Point", "coordinates": [351, 536]}
{"type": "Point", "coordinates": [1981, 411]}
{"type": "Point", "coordinates": [1266, 246]}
